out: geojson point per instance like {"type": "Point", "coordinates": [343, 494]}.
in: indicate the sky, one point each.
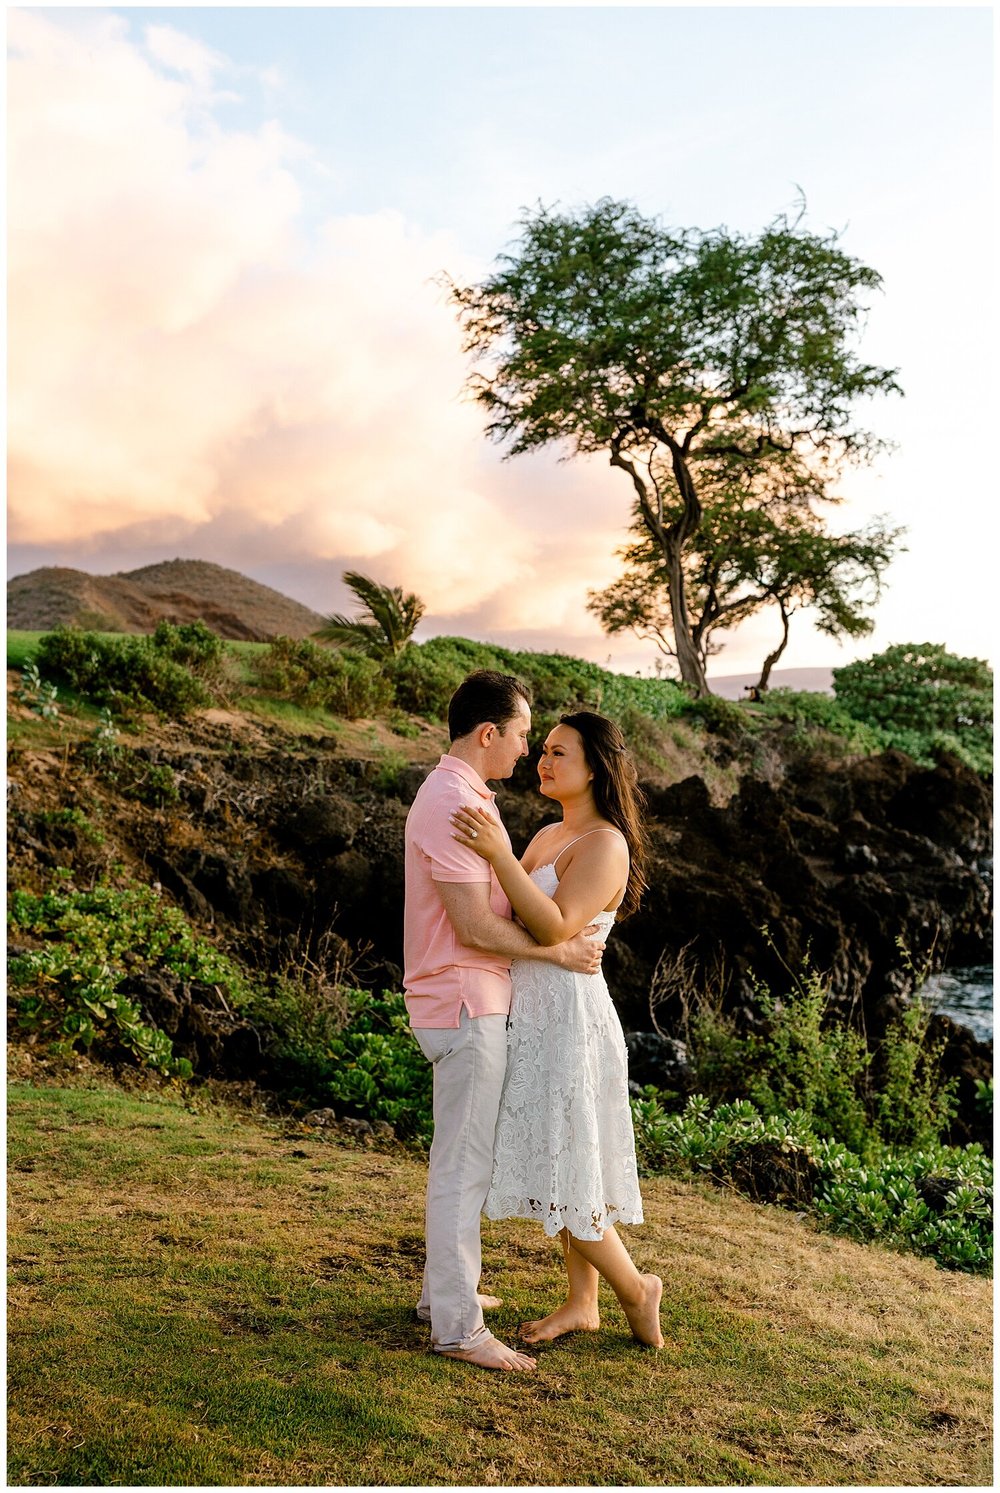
{"type": "Point", "coordinates": [227, 337]}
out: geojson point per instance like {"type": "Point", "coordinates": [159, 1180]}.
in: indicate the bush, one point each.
{"type": "Point", "coordinates": [808, 1059]}
{"type": "Point", "coordinates": [810, 1063]}
{"type": "Point", "coordinates": [354, 1051]}
{"type": "Point", "coordinates": [881, 1199]}
{"type": "Point", "coordinates": [345, 683]}
{"type": "Point", "coordinates": [925, 701]}
{"type": "Point", "coordinates": [378, 1067]}
{"type": "Point", "coordinates": [811, 713]}
{"type": "Point", "coordinates": [41, 698]}
{"type": "Point", "coordinates": [70, 990]}
{"type": "Point", "coordinates": [130, 672]}
{"type": "Point", "coordinates": [192, 645]}
{"type": "Point", "coordinates": [427, 675]}
{"type": "Point", "coordinates": [911, 1105]}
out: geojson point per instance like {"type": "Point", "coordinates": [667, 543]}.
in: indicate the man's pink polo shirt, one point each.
{"type": "Point", "coordinates": [441, 974]}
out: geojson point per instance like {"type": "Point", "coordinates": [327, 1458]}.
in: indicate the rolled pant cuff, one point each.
{"type": "Point", "coordinates": [483, 1335]}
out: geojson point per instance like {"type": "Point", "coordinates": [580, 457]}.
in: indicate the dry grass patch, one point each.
{"type": "Point", "coordinates": [205, 1298]}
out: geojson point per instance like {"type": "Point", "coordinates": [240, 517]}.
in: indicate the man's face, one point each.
{"type": "Point", "coordinates": [509, 745]}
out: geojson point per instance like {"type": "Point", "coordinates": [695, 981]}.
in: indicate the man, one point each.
{"type": "Point", "coordinates": [458, 941]}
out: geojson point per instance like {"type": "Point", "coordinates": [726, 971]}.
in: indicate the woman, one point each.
{"type": "Point", "coordinates": [565, 1149]}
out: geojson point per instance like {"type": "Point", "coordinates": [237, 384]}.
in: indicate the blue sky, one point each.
{"type": "Point", "coordinates": [375, 146]}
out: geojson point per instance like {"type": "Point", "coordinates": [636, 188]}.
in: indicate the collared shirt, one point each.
{"type": "Point", "coordinates": [441, 974]}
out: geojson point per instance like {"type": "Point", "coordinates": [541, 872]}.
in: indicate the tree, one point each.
{"type": "Point", "coordinates": [740, 562]}
{"type": "Point", "coordinates": [385, 624]}
{"type": "Point", "coordinates": [715, 370]}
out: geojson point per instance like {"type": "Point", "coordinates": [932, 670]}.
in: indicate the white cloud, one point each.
{"type": "Point", "coordinates": [182, 359]}
{"type": "Point", "coordinates": [183, 54]}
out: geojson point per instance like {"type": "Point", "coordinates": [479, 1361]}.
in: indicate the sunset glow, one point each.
{"type": "Point", "coordinates": [203, 363]}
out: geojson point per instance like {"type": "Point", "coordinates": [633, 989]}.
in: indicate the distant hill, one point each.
{"type": "Point", "coordinates": [734, 686]}
{"type": "Point", "coordinates": [136, 600]}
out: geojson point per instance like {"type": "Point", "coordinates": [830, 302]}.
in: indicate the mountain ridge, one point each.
{"type": "Point", "coordinates": [178, 590]}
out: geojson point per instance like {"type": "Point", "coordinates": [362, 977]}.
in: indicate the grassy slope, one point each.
{"type": "Point", "coordinates": [670, 750]}
{"type": "Point", "coordinates": [200, 1298]}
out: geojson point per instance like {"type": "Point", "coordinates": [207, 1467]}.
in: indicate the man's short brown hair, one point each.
{"type": "Point", "coordinates": [485, 696]}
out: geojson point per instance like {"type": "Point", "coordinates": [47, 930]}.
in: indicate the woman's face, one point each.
{"type": "Point", "coordinates": [563, 772]}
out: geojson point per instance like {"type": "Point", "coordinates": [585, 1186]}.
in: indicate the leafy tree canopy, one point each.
{"type": "Point", "coordinates": [717, 370]}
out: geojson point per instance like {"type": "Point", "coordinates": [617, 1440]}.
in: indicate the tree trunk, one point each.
{"type": "Point", "coordinates": [772, 658]}
{"type": "Point", "coordinates": [671, 542]}
{"type": "Point", "coordinates": [689, 657]}
{"type": "Point", "coordinates": [689, 660]}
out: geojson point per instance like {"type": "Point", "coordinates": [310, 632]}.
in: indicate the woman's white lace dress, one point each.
{"type": "Point", "coordinates": [565, 1149]}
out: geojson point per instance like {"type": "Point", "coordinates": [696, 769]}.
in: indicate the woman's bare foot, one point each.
{"type": "Point", "coordinates": [644, 1316]}
{"type": "Point", "coordinates": [565, 1318]}
{"type": "Point", "coordinates": [491, 1353]}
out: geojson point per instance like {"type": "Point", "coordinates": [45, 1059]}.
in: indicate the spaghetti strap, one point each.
{"type": "Point", "coordinates": [604, 829]}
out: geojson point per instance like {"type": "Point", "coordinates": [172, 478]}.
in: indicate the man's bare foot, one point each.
{"type": "Point", "coordinates": [644, 1316]}
{"type": "Point", "coordinates": [565, 1318]}
{"type": "Point", "coordinates": [491, 1353]}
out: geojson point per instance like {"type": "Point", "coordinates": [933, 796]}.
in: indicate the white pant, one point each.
{"type": "Point", "coordinates": [469, 1064]}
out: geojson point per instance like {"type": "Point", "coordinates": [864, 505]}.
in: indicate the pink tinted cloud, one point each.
{"type": "Point", "coordinates": [193, 373]}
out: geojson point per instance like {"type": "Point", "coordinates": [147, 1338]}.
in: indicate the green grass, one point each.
{"type": "Point", "coordinates": [201, 1298]}
{"type": "Point", "coordinates": [21, 647]}
{"type": "Point", "coordinates": [307, 719]}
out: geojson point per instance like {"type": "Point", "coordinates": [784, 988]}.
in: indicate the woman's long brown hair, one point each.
{"type": "Point", "coordinates": [617, 794]}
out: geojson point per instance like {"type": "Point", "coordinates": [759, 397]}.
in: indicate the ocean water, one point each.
{"type": "Point", "coordinates": [966, 995]}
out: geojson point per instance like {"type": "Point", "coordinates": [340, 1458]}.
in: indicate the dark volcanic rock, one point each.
{"type": "Point", "coordinates": [833, 862]}
{"type": "Point", "coordinates": [805, 859]}
{"type": "Point", "coordinates": [770, 1171]}
{"type": "Point", "coordinates": [324, 825]}
{"type": "Point", "coordinates": [658, 1060]}
{"type": "Point", "coordinates": [201, 1025]}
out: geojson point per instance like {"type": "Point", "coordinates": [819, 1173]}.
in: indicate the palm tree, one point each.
{"type": "Point", "coordinates": [385, 624]}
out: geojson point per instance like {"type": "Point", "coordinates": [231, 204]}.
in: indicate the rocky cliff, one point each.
{"type": "Point", "coordinates": [292, 845]}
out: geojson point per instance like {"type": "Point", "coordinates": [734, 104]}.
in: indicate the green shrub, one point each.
{"type": "Point", "coordinates": [126, 673]}
{"type": "Point", "coordinates": [925, 700]}
{"type": "Point", "coordinates": [41, 698]}
{"type": "Point", "coordinates": [877, 1199]}
{"type": "Point", "coordinates": [378, 1068]}
{"type": "Point", "coordinates": [812, 714]}
{"type": "Point", "coordinates": [347, 684]}
{"type": "Point", "coordinates": [427, 675]}
{"type": "Point", "coordinates": [192, 645]}
{"type": "Point", "coordinates": [70, 989]}
{"type": "Point", "coordinates": [350, 1049]}
{"type": "Point", "coordinates": [807, 1058]}
{"type": "Point", "coordinates": [880, 1200]}
{"type": "Point", "coordinates": [811, 1062]}
{"type": "Point", "coordinates": [912, 1105]}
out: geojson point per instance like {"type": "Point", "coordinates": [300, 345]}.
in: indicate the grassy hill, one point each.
{"type": "Point", "coordinates": [230, 603]}
{"type": "Point", "coordinates": [200, 1296]}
